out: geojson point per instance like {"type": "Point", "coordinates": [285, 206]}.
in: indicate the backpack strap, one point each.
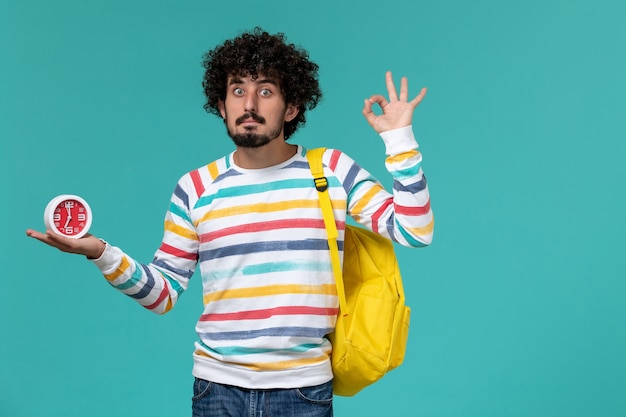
{"type": "Point", "coordinates": [314, 157]}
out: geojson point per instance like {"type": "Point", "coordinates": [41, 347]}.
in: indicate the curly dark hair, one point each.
{"type": "Point", "coordinates": [257, 52]}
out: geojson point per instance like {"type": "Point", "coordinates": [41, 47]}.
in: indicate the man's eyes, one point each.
{"type": "Point", "coordinates": [264, 92]}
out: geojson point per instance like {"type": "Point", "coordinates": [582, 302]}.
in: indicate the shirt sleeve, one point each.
{"type": "Point", "coordinates": [404, 215]}
{"type": "Point", "coordinates": [158, 284]}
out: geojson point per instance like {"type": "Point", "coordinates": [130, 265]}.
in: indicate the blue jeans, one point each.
{"type": "Point", "coordinates": [211, 399]}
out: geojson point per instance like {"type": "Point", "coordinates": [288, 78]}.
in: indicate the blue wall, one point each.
{"type": "Point", "coordinates": [518, 306]}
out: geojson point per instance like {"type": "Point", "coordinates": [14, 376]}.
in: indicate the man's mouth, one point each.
{"type": "Point", "coordinates": [249, 118]}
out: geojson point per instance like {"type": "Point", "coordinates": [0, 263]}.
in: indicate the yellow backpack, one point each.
{"type": "Point", "coordinates": [373, 322]}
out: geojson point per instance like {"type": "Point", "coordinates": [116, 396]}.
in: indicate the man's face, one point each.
{"type": "Point", "coordinates": [254, 110]}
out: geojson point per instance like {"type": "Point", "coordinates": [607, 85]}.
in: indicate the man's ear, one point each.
{"type": "Point", "coordinates": [291, 112]}
{"type": "Point", "coordinates": [220, 106]}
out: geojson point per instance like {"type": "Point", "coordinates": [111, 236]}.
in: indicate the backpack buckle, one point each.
{"type": "Point", "coordinates": [321, 184]}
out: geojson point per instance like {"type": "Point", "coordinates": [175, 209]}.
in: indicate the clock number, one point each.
{"type": "Point", "coordinates": [69, 204]}
{"type": "Point", "coordinates": [69, 230]}
{"type": "Point", "coordinates": [81, 217]}
{"type": "Point", "coordinates": [56, 217]}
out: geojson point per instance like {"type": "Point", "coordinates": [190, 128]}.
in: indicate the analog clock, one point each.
{"type": "Point", "coordinates": [68, 215]}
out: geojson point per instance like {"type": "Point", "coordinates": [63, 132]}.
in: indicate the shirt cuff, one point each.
{"type": "Point", "coordinates": [399, 140]}
{"type": "Point", "coordinates": [109, 260]}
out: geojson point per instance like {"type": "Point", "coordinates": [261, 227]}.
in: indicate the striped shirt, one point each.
{"type": "Point", "coordinates": [259, 240]}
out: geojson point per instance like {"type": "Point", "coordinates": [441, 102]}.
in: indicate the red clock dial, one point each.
{"type": "Point", "coordinates": [68, 215]}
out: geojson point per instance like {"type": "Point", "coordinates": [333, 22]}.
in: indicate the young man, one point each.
{"type": "Point", "coordinates": [252, 221]}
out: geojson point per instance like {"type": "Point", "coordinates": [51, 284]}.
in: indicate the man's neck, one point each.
{"type": "Point", "coordinates": [274, 153]}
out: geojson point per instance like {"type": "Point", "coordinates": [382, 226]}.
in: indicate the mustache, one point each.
{"type": "Point", "coordinates": [249, 115]}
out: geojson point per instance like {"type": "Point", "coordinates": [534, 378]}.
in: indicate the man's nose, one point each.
{"type": "Point", "coordinates": [251, 103]}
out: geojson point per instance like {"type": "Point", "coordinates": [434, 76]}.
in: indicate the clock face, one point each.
{"type": "Point", "coordinates": [68, 215]}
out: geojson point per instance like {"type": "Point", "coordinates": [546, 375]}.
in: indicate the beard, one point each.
{"type": "Point", "coordinates": [250, 139]}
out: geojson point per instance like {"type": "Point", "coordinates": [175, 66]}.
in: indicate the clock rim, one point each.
{"type": "Point", "coordinates": [49, 212]}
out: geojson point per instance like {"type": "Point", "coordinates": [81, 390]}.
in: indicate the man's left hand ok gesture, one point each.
{"type": "Point", "coordinates": [397, 112]}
